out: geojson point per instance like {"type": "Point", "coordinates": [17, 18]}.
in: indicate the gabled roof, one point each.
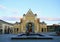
{"type": "Point", "coordinates": [30, 13]}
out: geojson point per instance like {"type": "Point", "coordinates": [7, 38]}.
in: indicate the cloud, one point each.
{"type": "Point", "coordinates": [17, 18]}
{"type": "Point", "coordinates": [9, 18]}
{"type": "Point", "coordinates": [9, 10]}
{"type": "Point", "coordinates": [50, 19]}
{"type": "Point", "coordinates": [2, 7]}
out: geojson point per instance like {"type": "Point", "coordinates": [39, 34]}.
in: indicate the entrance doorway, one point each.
{"type": "Point", "coordinates": [30, 27]}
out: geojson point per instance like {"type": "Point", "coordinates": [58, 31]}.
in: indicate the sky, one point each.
{"type": "Point", "coordinates": [47, 10]}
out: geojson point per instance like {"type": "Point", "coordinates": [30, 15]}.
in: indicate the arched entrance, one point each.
{"type": "Point", "coordinates": [30, 27]}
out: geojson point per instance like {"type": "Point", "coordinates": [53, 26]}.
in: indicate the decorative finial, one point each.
{"type": "Point", "coordinates": [35, 14]}
{"type": "Point", "coordinates": [30, 10]}
{"type": "Point", "coordinates": [23, 14]}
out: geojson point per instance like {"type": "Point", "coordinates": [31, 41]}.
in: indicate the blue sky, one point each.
{"type": "Point", "coordinates": [47, 10]}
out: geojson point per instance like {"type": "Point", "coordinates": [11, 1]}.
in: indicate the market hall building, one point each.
{"type": "Point", "coordinates": [30, 23]}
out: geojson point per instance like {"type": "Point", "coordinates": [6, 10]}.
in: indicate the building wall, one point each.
{"type": "Point", "coordinates": [8, 28]}
{"type": "Point", "coordinates": [16, 28]}
{"type": "Point", "coordinates": [43, 28]}
{"type": "Point", "coordinates": [50, 28]}
{"type": "Point", "coordinates": [5, 27]}
{"type": "Point", "coordinates": [0, 28]}
{"type": "Point", "coordinates": [53, 28]}
{"type": "Point", "coordinates": [30, 17]}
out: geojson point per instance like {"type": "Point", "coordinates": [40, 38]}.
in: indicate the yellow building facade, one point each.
{"type": "Point", "coordinates": [30, 23]}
